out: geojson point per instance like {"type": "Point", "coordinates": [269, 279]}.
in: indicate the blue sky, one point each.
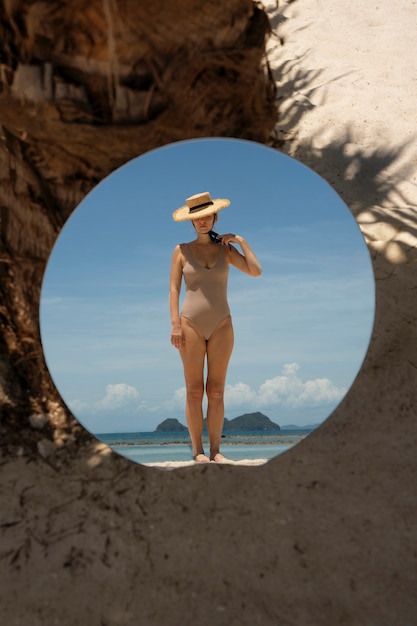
{"type": "Point", "coordinates": [301, 329]}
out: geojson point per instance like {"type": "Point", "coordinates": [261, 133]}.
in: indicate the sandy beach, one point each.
{"type": "Point", "coordinates": [171, 465]}
{"type": "Point", "coordinates": [347, 89]}
{"type": "Point", "coordinates": [168, 451]}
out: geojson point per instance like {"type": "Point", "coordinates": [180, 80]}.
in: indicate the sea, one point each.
{"type": "Point", "coordinates": [160, 447]}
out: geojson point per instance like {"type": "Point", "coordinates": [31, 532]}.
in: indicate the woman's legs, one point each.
{"type": "Point", "coordinates": [219, 350]}
{"type": "Point", "coordinates": [193, 355]}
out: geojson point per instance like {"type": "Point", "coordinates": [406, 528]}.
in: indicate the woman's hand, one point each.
{"type": "Point", "coordinates": [230, 238]}
{"type": "Point", "coordinates": [177, 337]}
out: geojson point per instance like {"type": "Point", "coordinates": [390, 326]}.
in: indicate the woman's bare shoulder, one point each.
{"type": "Point", "coordinates": [179, 252]}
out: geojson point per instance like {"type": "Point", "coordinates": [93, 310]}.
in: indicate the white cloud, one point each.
{"type": "Point", "coordinates": [117, 396]}
{"type": "Point", "coordinates": [287, 390]}
{"type": "Point", "coordinates": [241, 393]}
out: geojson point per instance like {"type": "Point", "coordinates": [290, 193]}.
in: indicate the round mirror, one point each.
{"type": "Point", "coordinates": [301, 328]}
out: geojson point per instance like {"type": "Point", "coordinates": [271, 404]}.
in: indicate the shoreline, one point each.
{"type": "Point", "coordinates": [281, 441]}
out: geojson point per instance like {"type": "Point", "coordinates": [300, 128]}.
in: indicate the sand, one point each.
{"type": "Point", "coordinates": [348, 86]}
{"type": "Point", "coordinates": [170, 465]}
{"type": "Point", "coordinates": [325, 533]}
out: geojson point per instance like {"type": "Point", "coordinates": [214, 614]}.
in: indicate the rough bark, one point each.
{"type": "Point", "coordinates": [85, 88]}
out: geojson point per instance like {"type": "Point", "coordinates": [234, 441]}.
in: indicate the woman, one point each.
{"type": "Point", "coordinates": [203, 330]}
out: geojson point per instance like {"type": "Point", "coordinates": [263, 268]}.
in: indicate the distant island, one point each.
{"type": "Point", "coordinates": [249, 422]}
{"type": "Point", "coordinates": [171, 425]}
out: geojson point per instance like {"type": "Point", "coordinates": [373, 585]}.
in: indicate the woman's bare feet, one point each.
{"type": "Point", "coordinates": [201, 458]}
{"type": "Point", "coordinates": [217, 457]}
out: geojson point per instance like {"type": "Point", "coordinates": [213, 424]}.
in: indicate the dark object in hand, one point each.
{"type": "Point", "coordinates": [215, 237]}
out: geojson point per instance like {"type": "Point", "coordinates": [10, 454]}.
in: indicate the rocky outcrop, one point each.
{"type": "Point", "coordinates": [171, 425]}
{"type": "Point", "coordinates": [251, 422]}
{"type": "Point", "coordinates": [248, 421]}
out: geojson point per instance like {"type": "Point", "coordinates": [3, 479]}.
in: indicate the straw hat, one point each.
{"type": "Point", "coordinates": [199, 205]}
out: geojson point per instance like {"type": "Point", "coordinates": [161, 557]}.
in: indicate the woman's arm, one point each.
{"type": "Point", "coordinates": [177, 336]}
{"type": "Point", "coordinates": [246, 262]}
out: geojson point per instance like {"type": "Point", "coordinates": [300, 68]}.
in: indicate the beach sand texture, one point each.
{"type": "Point", "coordinates": [170, 465]}
{"type": "Point", "coordinates": [325, 533]}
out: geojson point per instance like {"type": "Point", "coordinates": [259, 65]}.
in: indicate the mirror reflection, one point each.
{"type": "Point", "coordinates": [109, 322]}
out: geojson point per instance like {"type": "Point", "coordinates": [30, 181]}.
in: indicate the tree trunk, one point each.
{"type": "Point", "coordinates": [83, 90]}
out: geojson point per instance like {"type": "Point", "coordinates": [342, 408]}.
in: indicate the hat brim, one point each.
{"type": "Point", "coordinates": [183, 213]}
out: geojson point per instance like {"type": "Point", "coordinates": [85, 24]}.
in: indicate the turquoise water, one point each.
{"type": "Point", "coordinates": [156, 447]}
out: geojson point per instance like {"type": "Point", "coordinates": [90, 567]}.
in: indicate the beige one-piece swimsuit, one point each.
{"type": "Point", "coordinates": [205, 303]}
